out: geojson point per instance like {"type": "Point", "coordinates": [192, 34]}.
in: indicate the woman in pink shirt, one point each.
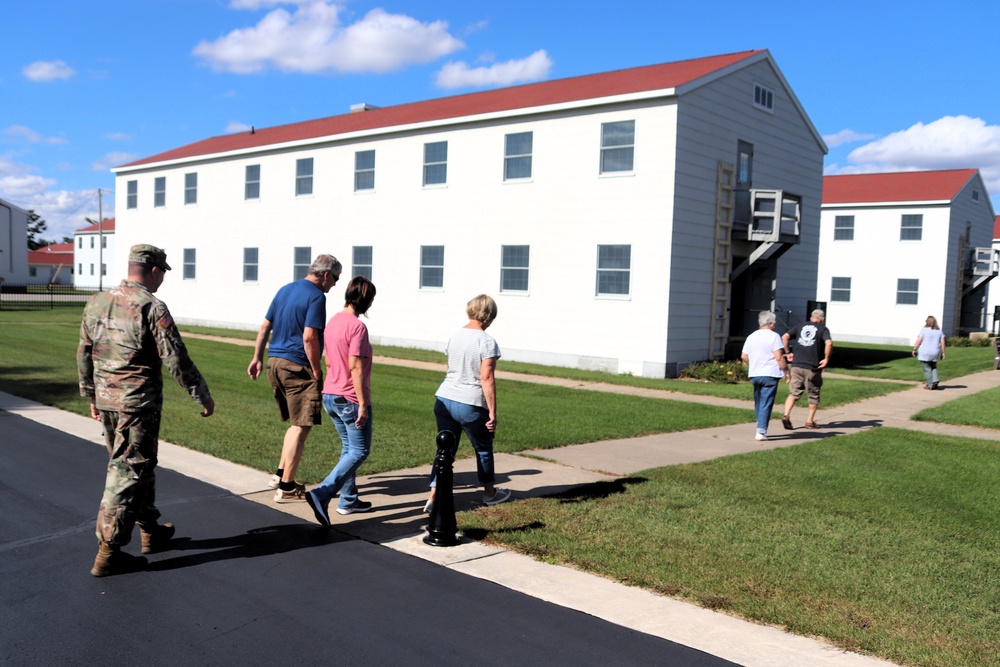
{"type": "Point", "coordinates": [347, 399]}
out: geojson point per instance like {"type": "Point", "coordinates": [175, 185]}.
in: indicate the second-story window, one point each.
{"type": "Point", "coordinates": [436, 163]}
{"type": "Point", "coordinates": [160, 191]}
{"type": "Point", "coordinates": [191, 188]}
{"type": "Point", "coordinates": [517, 156]}
{"type": "Point", "coordinates": [304, 176]}
{"type": "Point", "coordinates": [251, 189]}
{"type": "Point", "coordinates": [132, 198]}
{"type": "Point", "coordinates": [364, 170]}
{"type": "Point", "coordinates": [617, 146]}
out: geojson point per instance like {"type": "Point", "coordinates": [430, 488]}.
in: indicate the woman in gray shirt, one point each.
{"type": "Point", "coordinates": [466, 401]}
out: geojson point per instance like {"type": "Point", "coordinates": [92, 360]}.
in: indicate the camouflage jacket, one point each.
{"type": "Point", "coordinates": [126, 336]}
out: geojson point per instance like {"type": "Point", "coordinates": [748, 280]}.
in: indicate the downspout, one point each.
{"type": "Point", "coordinates": [10, 232]}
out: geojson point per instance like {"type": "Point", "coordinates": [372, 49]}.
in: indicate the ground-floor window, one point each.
{"type": "Point", "coordinates": [431, 266]}
{"type": "Point", "coordinates": [249, 265]}
{"type": "Point", "coordinates": [361, 261]}
{"type": "Point", "coordinates": [840, 290]}
{"type": "Point", "coordinates": [302, 262]}
{"type": "Point", "coordinates": [614, 266]}
{"type": "Point", "coordinates": [514, 268]}
{"type": "Point", "coordinates": [907, 290]}
{"type": "Point", "coordinates": [189, 263]}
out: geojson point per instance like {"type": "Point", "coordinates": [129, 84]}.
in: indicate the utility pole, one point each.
{"type": "Point", "coordinates": [100, 238]}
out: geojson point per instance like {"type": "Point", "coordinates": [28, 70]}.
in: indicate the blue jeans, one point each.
{"type": "Point", "coordinates": [764, 390]}
{"type": "Point", "coordinates": [930, 372]}
{"type": "Point", "coordinates": [470, 419]}
{"type": "Point", "coordinates": [357, 444]}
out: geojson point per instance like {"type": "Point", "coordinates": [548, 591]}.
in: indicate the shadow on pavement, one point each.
{"type": "Point", "coordinates": [253, 543]}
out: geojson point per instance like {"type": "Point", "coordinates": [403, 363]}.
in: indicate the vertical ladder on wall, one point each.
{"type": "Point", "coordinates": [963, 243]}
{"type": "Point", "coordinates": [724, 201]}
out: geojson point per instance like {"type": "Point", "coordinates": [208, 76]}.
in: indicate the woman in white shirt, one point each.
{"type": "Point", "coordinates": [928, 350]}
{"type": "Point", "coordinates": [763, 351]}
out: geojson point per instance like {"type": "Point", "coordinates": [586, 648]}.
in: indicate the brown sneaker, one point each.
{"type": "Point", "coordinates": [112, 560]}
{"type": "Point", "coordinates": [296, 495]}
{"type": "Point", "coordinates": [156, 539]}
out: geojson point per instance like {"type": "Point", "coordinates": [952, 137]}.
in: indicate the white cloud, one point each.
{"type": "Point", "coordinates": [951, 142]}
{"type": "Point", "coordinates": [460, 75]}
{"type": "Point", "coordinates": [48, 71]}
{"type": "Point", "coordinates": [20, 133]}
{"type": "Point", "coordinates": [109, 160]}
{"type": "Point", "coordinates": [118, 136]}
{"type": "Point", "coordinates": [63, 211]}
{"type": "Point", "coordinates": [845, 137]}
{"type": "Point", "coordinates": [237, 126]}
{"type": "Point", "coordinates": [312, 40]}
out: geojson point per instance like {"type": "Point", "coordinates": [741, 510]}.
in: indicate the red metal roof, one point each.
{"type": "Point", "coordinates": [52, 255]}
{"type": "Point", "coordinates": [893, 187]}
{"type": "Point", "coordinates": [109, 226]}
{"type": "Point", "coordinates": [996, 228]}
{"type": "Point", "coordinates": [591, 86]}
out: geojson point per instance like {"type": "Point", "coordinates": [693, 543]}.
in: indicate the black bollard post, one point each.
{"type": "Point", "coordinates": [442, 529]}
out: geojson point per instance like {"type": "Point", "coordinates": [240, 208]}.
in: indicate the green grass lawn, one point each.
{"type": "Point", "coordinates": [886, 542]}
{"type": "Point", "coordinates": [976, 410]}
{"type": "Point", "coordinates": [893, 362]}
{"type": "Point", "coordinates": [245, 428]}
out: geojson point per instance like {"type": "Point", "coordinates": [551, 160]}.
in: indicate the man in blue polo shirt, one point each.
{"type": "Point", "coordinates": [296, 319]}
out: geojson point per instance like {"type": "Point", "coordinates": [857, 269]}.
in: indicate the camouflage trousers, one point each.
{"type": "Point", "coordinates": [132, 439]}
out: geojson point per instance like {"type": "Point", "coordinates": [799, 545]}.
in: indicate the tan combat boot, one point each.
{"type": "Point", "coordinates": [112, 560]}
{"type": "Point", "coordinates": [156, 539]}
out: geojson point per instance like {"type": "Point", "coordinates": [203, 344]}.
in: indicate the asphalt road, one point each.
{"type": "Point", "coordinates": [246, 584]}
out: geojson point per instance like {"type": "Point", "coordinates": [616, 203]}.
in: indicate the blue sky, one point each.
{"type": "Point", "coordinates": [891, 85]}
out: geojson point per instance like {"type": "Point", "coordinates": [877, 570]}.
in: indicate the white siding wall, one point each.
{"type": "Point", "coordinates": [874, 261]}
{"type": "Point", "coordinates": [787, 156]}
{"type": "Point", "coordinates": [13, 243]}
{"type": "Point", "coordinates": [91, 258]}
{"type": "Point", "coordinates": [563, 213]}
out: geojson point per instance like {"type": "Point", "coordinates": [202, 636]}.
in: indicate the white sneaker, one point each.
{"type": "Point", "coordinates": [760, 436]}
{"type": "Point", "coordinates": [274, 482]}
{"type": "Point", "coordinates": [499, 496]}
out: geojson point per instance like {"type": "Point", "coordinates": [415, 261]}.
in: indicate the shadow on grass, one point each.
{"type": "Point", "coordinates": [254, 543]}
{"type": "Point", "coordinates": [598, 490]}
{"type": "Point", "coordinates": [855, 358]}
{"type": "Point", "coordinates": [23, 381]}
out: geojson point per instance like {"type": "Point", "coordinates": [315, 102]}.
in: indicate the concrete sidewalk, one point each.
{"type": "Point", "coordinates": [397, 520]}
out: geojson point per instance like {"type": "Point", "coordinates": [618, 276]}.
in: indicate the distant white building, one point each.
{"type": "Point", "coordinates": [897, 247]}
{"type": "Point", "coordinates": [51, 265]}
{"type": "Point", "coordinates": [13, 243]}
{"type": "Point", "coordinates": [94, 256]}
{"type": "Point", "coordinates": [993, 302]}
{"type": "Point", "coordinates": [633, 221]}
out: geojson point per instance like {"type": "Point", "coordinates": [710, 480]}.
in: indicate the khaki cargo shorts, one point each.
{"type": "Point", "coordinates": [297, 393]}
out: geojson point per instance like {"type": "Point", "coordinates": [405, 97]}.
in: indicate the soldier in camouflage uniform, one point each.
{"type": "Point", "coordinates": [126, 336]}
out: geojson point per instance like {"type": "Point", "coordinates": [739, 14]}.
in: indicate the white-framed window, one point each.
{"type": "Point", "coordinates": [436, 163]}
{"type": "Point", "coordinates": [364, 170]}
{"type": "Point", "coordinates": [160, 191]}
{"type": "Point", "coordinates": [912, 227]}
{"type": "Point", "coordinates": [104, 241]}
{"type": "Point", "coordinates": [191, 188]}
{"type": "Point", "coordinates": [431, 267]}
{"type": "Point", "coordinates": [907, 291]}
{"type": "Point", "coordinates": [250, 265]}
{"type": "Point", "coordinates": [190, 254]}
{"type": "Point", "coordinates": [104, 269]}
{"type": "Point", "coordinates": [91, 242]}
{"type": "Point", "coordinates": [79, 242]}
{"type": "Point", "coordinates": [514, 268]}
{"type": "Point", "coordinates": [91, 269]}
{"type": "Point", "coordinates": [251, 187]}
{"type": "Point", "coordinates": [517, 149]}
{"type": "Point", "coordinates": [361, 261]}
{"type": "Point", "coordinates": [302, 260]}
{"type": "Point", "coordinates": [614, 266]}
{"type": "Point", "coordinates": [840, 290]}
{"type": "Point", "coordinates": [763, 97]}
{"type": "Point", "coordinates": [303, 176]}
{"type": "Point", "coordinates": [843, 228]}
{"type": "Point", "coordinates": [132, 194]}
{"type": "Point", "coordinates": [617, 146]}
{"type": "Point", "coordinates": [79, 269]}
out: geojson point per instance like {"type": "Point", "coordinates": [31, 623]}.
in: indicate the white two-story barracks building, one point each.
{"type": "Point", "coordinates": [632, 221]}
{"type": "Point", "coordinates": [898, 247]}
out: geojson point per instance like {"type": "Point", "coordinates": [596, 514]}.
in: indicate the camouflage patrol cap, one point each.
{"type": "Point", "coordinates": [149, 255]}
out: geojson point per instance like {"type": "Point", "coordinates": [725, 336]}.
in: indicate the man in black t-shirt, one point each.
{"type": "Point", "coordinates": [802, 347]}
